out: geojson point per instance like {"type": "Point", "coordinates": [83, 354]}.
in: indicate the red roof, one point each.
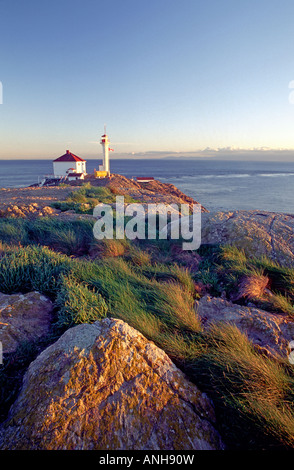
{"type": "Point", "coordinates": [69, 157]}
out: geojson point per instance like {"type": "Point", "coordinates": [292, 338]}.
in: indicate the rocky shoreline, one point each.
{"type": "Point", "coordinates": [36, 201]}
{"type": "Point", "coordinates": [104, 385]}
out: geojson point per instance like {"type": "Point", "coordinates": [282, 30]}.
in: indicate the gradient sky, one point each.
{"type": "Point", "coordinates": [163, 75]}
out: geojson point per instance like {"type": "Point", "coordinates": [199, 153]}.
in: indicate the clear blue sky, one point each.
{"type": "Point", "coordinates": [164, 75]}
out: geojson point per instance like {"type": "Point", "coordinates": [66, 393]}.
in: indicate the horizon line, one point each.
{"type": "Point", "coordinates": [207, 152]}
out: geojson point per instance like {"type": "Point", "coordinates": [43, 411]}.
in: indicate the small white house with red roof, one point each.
{"type": "Point", "coordinates": [69, 164]}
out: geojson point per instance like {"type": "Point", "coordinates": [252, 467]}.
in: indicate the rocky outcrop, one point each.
{"type": "Point", "coordinates": [270, 333]}
{"type": "Point", "coordinates": [27, 211]}
{"type": "Point", "coordinates": [23, 317]}
{"type": "Point", "coordinates": [104, 386]}
{"type": "Point", "coordinates": [34, 201]}
{"type": "Point", "coordinates": [152, 192]}
{"type": "Point", "coordinates": [257, 233]}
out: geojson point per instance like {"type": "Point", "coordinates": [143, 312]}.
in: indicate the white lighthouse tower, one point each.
{"type": "Point", "coordinates": [105, 146]}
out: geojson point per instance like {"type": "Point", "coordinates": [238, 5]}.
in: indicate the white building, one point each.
{"type": "Point", "coordinates": [72, 175]}
{"type": "Point", "coordinates": [105, 146]}
{"type": "Point", "coordinates": [69, 164]}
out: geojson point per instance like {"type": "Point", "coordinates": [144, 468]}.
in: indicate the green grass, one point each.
{"type": "Point", "coordinates": [227, 269]}
{"type": "Point", "coordinates": [252, 394]}
{"type": "Point", "coordinates": [73, 237]}
{"type": "Point", "coordinates": [31, 268]}
{"type": "Point", "coordinates": [77, 303]}
{"type": "Point", "coordinates": [87, 197]}
{"type": "Point", "coordinates": [257, 388]}
{"type": "Point", "coordinates": [233, 267]}
{"type": "Point", "coordinates": [13, 231]}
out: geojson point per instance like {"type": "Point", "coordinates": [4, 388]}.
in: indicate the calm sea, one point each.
{"type": "Point", "coordinates": [217, 185]}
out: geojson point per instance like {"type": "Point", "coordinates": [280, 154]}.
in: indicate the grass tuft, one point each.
{"type": "Point", "coordinates": [259, 388]}
{"type": "Point", "coordinates": [77, 303]}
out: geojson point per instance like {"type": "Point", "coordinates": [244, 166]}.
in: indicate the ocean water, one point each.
{"type": "Point", "coordinates": [217, 185]}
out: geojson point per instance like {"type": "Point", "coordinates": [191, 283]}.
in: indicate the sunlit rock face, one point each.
{"type": "Point", "coordinates": [23, 317]}
{"type": "Point", "coordinates": [258, 233]}
{"type": "Point", "coordinates": [105, 386]}
{"type": "Point", "coordinates": [269, 332]}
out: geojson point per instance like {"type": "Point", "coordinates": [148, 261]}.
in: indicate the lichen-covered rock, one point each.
{"type": "Point", "coordinates": [23, 317]}
{"type": "Point", "coordinates": [269, 332]}
{"type": "Point", "coordinates": [32, 210]}
{"type": "Point", "coordinates": [256, 232]}
{"type": "Point", "coordinates": [105, 386]}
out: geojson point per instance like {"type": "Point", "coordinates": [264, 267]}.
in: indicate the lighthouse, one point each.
{"type": "Point", "coordinates": [105, 146]}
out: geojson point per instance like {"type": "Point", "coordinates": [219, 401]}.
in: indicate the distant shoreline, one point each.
{"type": "Point", "coordinates": [221, 154]}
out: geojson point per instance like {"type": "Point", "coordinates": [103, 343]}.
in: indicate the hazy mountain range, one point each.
{"type": "Point", "coordinates": [228, 153]}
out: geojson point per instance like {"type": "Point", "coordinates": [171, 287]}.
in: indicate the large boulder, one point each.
{"type": "Point", "coordinates": [270, 333]}
{"type": "Point", "coordinates": [105, 386]}
{"type": "Point", "coordinates": [256, 232]}
{"type": "Point", "coordinates": [23, 317]}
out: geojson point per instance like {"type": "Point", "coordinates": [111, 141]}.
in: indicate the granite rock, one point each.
{"type": "Point", "coordinates": [105, 386]}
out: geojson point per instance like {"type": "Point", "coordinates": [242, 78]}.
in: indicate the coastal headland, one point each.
{"type": "Point", "coordinates": [137, 344]}
{"type": "Point", "coordinates": [150, 192]}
